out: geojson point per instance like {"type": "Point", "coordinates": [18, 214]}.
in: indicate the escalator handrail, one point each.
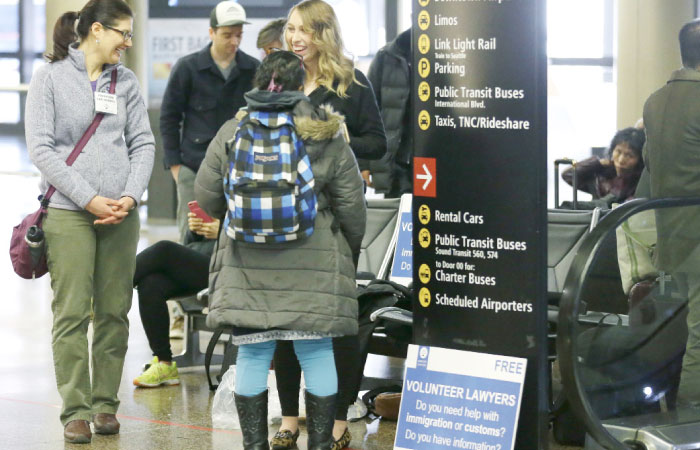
{"type": "Point", "coordinates": [569, 309]}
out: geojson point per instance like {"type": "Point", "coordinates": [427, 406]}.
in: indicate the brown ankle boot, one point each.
{"type": "Point", "coordinates": [106, 423]}
{"type": "Point", "coordinates": [77, 432]}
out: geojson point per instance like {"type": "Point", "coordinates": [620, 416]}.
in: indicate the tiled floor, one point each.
{"type": "Point", "coordinates": [177, 417]}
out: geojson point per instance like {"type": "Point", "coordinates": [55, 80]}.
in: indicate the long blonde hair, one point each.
{"type": "Point", "coordinates": [320, 21]}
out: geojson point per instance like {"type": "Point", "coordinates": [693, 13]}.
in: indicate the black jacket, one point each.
{"type": "Point", "coordinates": [389, 74]}
{"type": "Point", "coordinates": [367, 138]}
{"type": "Point", "coordinates": [198, 101]}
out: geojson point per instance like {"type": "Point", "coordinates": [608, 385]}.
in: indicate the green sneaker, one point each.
{"type": "Point", "coordinates": [158, 374]}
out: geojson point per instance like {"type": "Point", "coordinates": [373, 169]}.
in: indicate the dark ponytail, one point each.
{"type": "Point", "coordinates": [63, 36]}
{"type": "Point", "coordinates": [65, 32]}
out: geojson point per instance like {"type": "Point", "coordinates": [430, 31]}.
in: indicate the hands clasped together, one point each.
{"type": "Point", "coordinates": [110, 211]}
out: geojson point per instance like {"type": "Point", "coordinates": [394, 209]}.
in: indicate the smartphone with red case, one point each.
{"type": "Point", "coordinates": [199, 212]}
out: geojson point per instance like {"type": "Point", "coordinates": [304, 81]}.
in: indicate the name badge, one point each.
{"type": "Point", "coordinates": [105, 103]}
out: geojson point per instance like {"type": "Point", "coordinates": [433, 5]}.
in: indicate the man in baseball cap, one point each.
{"type": "Point", "coordinates": [227, 14]}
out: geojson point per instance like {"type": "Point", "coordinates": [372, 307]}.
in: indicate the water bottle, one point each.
{"type": "Point", "coordinates": [34, 236]}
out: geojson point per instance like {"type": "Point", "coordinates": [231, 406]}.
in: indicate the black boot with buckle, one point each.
{"type": "Point", "coordinates": [320, 416]}
{"type": "Point", "coordinates": [252, 415]}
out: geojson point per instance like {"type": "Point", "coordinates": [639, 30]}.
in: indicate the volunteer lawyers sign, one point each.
{"type": "Point", "coordinates": [456, 399]}
{"type": "Point", "coordinates": [479, 208]}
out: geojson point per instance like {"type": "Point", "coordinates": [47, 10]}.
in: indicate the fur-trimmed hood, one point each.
{"type": "Point", "coordinates": [317, 128]}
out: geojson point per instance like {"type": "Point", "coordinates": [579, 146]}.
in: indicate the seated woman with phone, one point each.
{"type": "Point", "coordinates": [166, 270]}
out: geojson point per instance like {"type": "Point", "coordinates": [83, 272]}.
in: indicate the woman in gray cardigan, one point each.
{"type": "Point", "coordinates": [91, 228]}
{"type": "Point", "coordinates": [301, 290]}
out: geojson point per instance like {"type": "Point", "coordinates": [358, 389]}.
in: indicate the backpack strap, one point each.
{"type": "Point", "coordinates": [210, 353]}
{"type": "Point", "coordinates": [229, 358]}
{"type": "Point", "coordinates": [240, 115]}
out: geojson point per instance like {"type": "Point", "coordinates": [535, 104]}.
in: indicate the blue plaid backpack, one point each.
{"type": "Point", "coordinates": [269, 187]}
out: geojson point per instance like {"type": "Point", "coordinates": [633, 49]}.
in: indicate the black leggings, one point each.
{"type": "Point", "coordinates": [346, 350]}
{"type": "Point", "coordinates": [165, 270]}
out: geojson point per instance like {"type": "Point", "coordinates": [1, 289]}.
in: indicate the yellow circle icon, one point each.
{"type": "Point", "coordinates": [424, 214]}
{"type": "Point", "coordinates": [424, 120]}
{"type": "Point", "coordinates": [424, 237]}
{"type": "Point", "coordinates": [424, 297]}
{"type": "Point", "coordinates": [423, 67]}
{"type": "Point", "coordinates": [423, 20]}
{"type": "Point", "coordinates": [424, 273]}
{"type": "Point", "coordinates": [423, 91]}
{"type": "Point", "coordinates": [424, 44]}
{"type": "Point", "coordinates": [423, 2]}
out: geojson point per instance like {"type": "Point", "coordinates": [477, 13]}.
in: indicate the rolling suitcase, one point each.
{"type": "Point", "coordinates": [557, 163]}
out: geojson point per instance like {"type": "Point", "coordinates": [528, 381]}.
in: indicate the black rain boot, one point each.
{"type": "Point", "coordinates": [252, 415]}
{"type": "Point", "coordinates": [320, 416]}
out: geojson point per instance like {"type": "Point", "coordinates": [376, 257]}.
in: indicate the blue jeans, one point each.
{"type": "Point", "coordinates": [315, 357]}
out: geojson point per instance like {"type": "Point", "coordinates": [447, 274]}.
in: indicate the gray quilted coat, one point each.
{"type": "Point", "coordinates": [305, 285]}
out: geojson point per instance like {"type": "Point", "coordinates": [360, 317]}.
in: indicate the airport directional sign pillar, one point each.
{"type": "Point", "coordinates": [479, 207]}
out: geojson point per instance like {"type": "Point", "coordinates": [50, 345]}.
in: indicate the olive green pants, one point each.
{"type": "Point", "coordinates": [92, 270]}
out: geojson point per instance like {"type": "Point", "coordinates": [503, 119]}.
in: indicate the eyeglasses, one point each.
{"type": "Point", "coordinates": [127, 35]}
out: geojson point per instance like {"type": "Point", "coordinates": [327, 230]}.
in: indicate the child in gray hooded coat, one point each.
{"type": "Point", "coordinates": [301, 290]}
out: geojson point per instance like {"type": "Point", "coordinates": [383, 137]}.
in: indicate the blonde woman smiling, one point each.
{"type": "Point", "coordinates": [313, 33]}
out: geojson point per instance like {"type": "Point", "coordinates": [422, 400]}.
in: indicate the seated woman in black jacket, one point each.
{"type": "Point", "coordinates": [612, 180]}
